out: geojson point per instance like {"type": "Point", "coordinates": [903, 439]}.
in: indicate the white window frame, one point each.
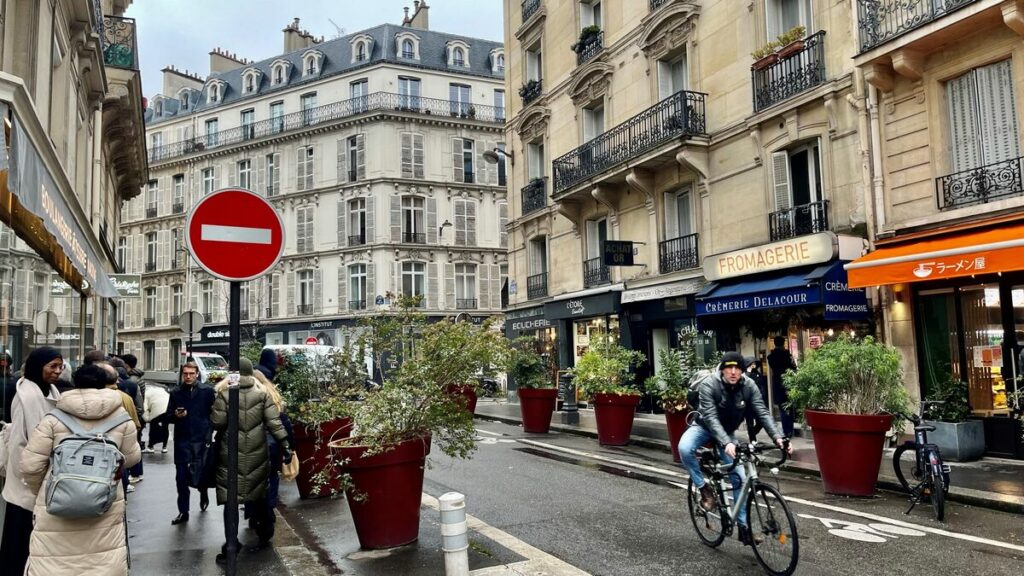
{"type": "Point", "coordinates": [465, 282]}
{"type": "Point", "coordinates": [304, 288]}
{"type": "Point", "coordinates": [209, 178]}
{"type": "Point", "coordinates": [414, 276]}
{"type": "Point", "coordinates": [357, 218]}
{"type": "Point", "coordinates": [178, 190]}
{"type": "Point", "coordinates": [414, 215]}
{"type": "Point", "coordinates": [774, 25]}
{"type": "Point", "coordinates": [357, 285]}
{"type": "Point", "coordinates": [675, 227]}
{"type": "Point", "coordinates": [177, 301]}
{"type": "Point", "coordinates": [244, 174]}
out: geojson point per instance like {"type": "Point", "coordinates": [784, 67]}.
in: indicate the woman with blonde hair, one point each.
{"type": "Point", "coordinates": [276, 459]}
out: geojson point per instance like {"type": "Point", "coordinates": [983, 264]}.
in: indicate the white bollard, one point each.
{"type": "Point", "coordinates": [454, 540]}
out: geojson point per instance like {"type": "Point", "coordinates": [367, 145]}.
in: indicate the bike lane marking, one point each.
{"type": "Point", "coordinates": [793, 499]}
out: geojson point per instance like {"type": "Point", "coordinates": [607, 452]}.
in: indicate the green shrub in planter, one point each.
{"type": "Point", "coordinates": [526, 367]}
{"type": "Point", "coordinates": [671, 384]}
{"type": "Point", "coordinates": [605, 368]}
{"type": "Point", "coordinates": [955, 407]}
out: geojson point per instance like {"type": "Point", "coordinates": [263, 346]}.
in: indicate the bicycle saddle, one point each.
{"type": "Point", "coordinates": [924, 428]}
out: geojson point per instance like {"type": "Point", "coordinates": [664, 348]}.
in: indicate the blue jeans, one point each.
{"type": "Point", "coordinates": [695, 437]}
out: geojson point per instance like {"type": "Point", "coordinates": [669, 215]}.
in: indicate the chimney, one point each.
{"type": "Point", "coordinates": [293, 38]}
{"type": "Point", "coordinates": [223, 61]}
{"type": "Point", "coordinates": [419, 15]}
{"type": "Point", "coordinates": [175, 80]}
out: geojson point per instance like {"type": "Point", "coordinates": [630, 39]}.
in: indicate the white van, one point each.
{"type": "Point", "coordinates": [316, 352]}
{"type": "Point", "coordinates": [207, 362]}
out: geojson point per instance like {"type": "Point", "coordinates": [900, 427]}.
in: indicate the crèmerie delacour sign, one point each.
{"type": "Point", "coordinates": [791, 253]}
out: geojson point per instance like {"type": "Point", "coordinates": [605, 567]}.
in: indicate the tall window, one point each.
{"type": "Point", "coordinates": [276, 117]}
{"type": "Point", "coordinates": [243, 299]}
{"type": "Point", "coordinates": [176, 302]}
{"type": "Point", "coordinates": [413, 279]}
{"type": "Point", "coordinates": [304, 168]}
{"type": "Point", "coordinates": [782, 15]}
{"type": "Point", "coordinates": [465, 222]}
{"type": "Point", "coordinates": [248, 118]}
{"type": "Point", "coordinates": [150, 307]}
{"type": "Point", "coordinates": [412, 155]}
{"type": "Point", "coordinates": [983, 117]}
{"type": "Point", "coordinates": [211, 132]}
{"type": "Point", "coordinates": [671, 76]}
{"type": "Point", "coordinates": [503, 224]}
{"type": "Point", "coordinates": [408, 50]}
{"type": "Point", "coordinates": [538, 255]}
{"type": "Point", "coordinates": [151, 252]}
{"type": "Point", "coordinates": [152, 198]}
{"type": "Point", "coordinates": [590, 13]}
{"type": "Point", "coordinates": [462, 159]}
{"type": "Point", "coordinates": [122, 253]}
{"type": "Point", "coordinates": [459, 57]}
{"type": "Point", "coordinates": [357, 221]}
{"type": "Point", "coordinates": [206, 300]}
{"type": "Point", "coordinates": [797, 176]}
{"type": "Point", "coordinates": [361, 52]}
{"type": "Point", "coordinates": [499, 105]}
{"type": "Point", "coordinates": [534, 64]}
{"type": "Point", "coordinates": [409, 92]}
{"type": "Point", "coordinates": [245, 174]}
{"type": "Point", "coordinates": [208, 180]}
{"type": "Point", "coordinates": [305, 292]}
{"type": "Point", "coordinates": [308, 104]}
{"type": "Point", "coordinates": [593, 121]}
{"type": "Point", "coordinates": [356, 166]}
{"type": "Point", "coordinates": [358, 91]}
{"type": "Point", "coordinates": [304, 240]}
{"type": "Point", "coordinates": [500, 63]}
{"type": "Point", "coordinates": [535, 159]}
{"type": "Point", "coordinates": [178, 194]}
{"type": "Point", "coordinates": [459, 97]}
{"type": "Point", "coordinates": [357, 287]}
{"type": "Point", "coordinates": [175, 359]}
{"type": "Point", "coordinates": [413, 227]}
{"type": "Point", "coordinates": [273, 172]}
{"type": "Point", "coordinates": [465, 286]}
{"type": "Point", "coordinates": [502, 169]}
{"type": "Point", "coordinates": [149, 354]}
{"type": "Point", "coordinates": [678, 214]}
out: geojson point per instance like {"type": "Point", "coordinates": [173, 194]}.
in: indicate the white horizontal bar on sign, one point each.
{"type": "Point", "coordinates": [240, 234]}
{"type": "Point", "coordinates": [959, 251]}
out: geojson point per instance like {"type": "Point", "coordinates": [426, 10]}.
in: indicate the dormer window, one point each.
{"type": "Point", "coordinates": [407, 49]}
{"type": "Point", "coordinates": [183, 98]}
{"type": "Point", "coordinates": [408, 45]}
{"type": "Point", "coordinates": [215, 92]}
{"type": "Point", "coordinates": [250, 80]}
{"type": "Point", "coordinates": [311, 62]}
{"type": "Point", "coordinates": [362, 46]}
{"type": "Point", "coordinates": [459, 57]}
{"type": "Point", "coordinates": [279, 72]}
{"type": "Point", "coordinates": [497, 61]}
{"type": "Point", "coordinates": [458, 53]}
{"type": "Point", "coordinates": [499, 64]}
{"type": "Point", "coordinates": [159, 107]}
{"type": "Point", "coordinates": [361, 54]}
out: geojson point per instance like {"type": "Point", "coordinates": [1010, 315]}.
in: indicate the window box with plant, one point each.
{"type": "Point", "coordinates": [791, 41]}
{"type": "Point", "coordinates": [604, 374]}
{"type": "Point", "coordinates": [957, 437]}
{"type": "Point", "coordinates": [588, 35]}
{"type": "Point", "coordinates": [671, 384]}
{"type": "Point", "coordinates": [850, 392]}
{"type": "Point", "coordinates": [764, 56]}
{"type": "Point", "coordinates": [537, 393]}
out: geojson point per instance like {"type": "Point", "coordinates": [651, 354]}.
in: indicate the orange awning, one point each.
{"type": "Point", "coordinates": [956, 256]}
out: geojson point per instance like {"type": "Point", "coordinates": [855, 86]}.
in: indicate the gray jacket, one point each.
{"type": "Point", "coordinates": [723, 407]}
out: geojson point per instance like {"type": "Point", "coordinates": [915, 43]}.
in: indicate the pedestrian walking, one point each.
{"type": "Point", "coordinates": [154, 413]}
{"type": "Point", "coordinates": [137, 377]}
{"type": "Point", "coordinates": [753, 371]}
{"type": "Point", "coordinates": [268, 364]}
{"type": "Point", "coordinates": [781, 361]}
{"type": "Point", "coordinates": [36, 395]}
{"type": "Point", "coordinates": [276, 452]}
{"type": "Point", "coordinates": [189, 409]}
{"type": "Point", "coordinates": [79, 546]}
{"type": "Point", "coordinates": [258, 415]}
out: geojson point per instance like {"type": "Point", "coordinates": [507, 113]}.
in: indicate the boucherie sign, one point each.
{"type": "Point", "coordinates": [800, 251]}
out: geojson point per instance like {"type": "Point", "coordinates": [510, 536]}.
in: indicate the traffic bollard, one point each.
{"type": "Point", "coordinates": [454, 539]}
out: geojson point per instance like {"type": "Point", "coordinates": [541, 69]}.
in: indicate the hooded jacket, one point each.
{"type": "Point", "coordinates": [723, 407]}
{"type": "Point", "coordinates": [80, 546]}
{"type": "Point", "coordinates": [28, 409]}
{"type": "Point", "coordinates": [268, 363]}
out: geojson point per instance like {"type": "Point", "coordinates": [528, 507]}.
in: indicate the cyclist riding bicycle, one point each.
{"type": "Point", "coordinates": [726, 397]}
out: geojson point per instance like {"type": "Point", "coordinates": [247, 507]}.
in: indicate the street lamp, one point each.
{"type": "Point", "coordinates": [446, 224]}
{"type": "Point", "coordinates": [492, 156]}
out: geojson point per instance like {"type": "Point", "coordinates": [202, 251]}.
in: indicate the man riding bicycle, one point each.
{"type": "Point", "coordinates": [726, 397]}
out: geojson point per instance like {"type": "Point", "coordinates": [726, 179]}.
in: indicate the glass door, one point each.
{"type": "Point", "coordinates": [981, 308]}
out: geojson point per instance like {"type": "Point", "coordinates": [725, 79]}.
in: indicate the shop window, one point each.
{"type": "Point", "coordinates": [983, 117]}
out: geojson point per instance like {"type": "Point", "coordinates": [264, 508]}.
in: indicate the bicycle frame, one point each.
{"type": "Point", "coordinates": [723, 471]}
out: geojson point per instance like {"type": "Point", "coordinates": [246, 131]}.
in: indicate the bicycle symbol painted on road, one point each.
{"type": "Point", "coordinates": [875, 533]}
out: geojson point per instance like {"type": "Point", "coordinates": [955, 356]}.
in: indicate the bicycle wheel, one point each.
{"type": "Point", "coordinates": [709, 525]}
{"type": "Point", "coordinates": [904, 464]}
{"type": "Point", "coordinates": [772, 523]}
{"type": "Point", "coordinates": [938, 485]}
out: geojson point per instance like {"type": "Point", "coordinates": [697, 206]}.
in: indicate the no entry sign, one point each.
{"type": "Point", "coordinates": [235, 234]}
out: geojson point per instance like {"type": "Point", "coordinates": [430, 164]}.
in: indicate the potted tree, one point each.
{"type": "Point", "coordinates": [791, 41]}
{"type": "Point", "coordinates": [603, 374]}
{"type": "Point", "coordinates": [536, 389]}
{"type": "Point", "coordinates": [957, 437]}
{"type": "Point", "coordinates": [851, 393]}
{"type": "Point", "coordinates": [383, 462]}
{"type": "Point", "coordinates": [671, 384]}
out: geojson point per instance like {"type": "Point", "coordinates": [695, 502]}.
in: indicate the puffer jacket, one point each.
{"type": "Point", "coordinates": [155, 403]}
{"type": "Point", "coordinates": [80, 546]}
{"type": "Point", "coordinates": [257, 414]}
{"type": "Point", "coordinates": [724, 407]}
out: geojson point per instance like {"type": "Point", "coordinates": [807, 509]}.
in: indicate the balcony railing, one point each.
{"type": "Point", "coordinates": [465, 303]}
{"type": "Point", "coordinates": [681, 114]}
{"type": "Point", "coordinates": [356, 240]}
{"type": "Point", "coordinates": [530, 8]}
{"type": "Point", "coordinates": [357, 304]}
{"type": "Point", "coordinates": [587, 49]}
{"type": "Point", "coordinates": [148, 322]}
{"type": "Point", "coordinates": [304, 309]}
{"type": "Point", "coordinates": [678, 254]}
{"type": "Point", "coordinates": [151, 212]}
{"type": "Point", "coordinates": [595, 273]}
{"type": "Point", "coordinates": [537, 286]}
{"type": "Point", "coordinates": [980, 185]}
{"type": "Point", "coordinates": [882, 20]}
{"type": "Point", "coordinates": [655, 4]}
{"type": "Point", "coordinates": [375, 102]}
{"type": "Point", "coordinates": [120, 49]}
{"type": "Point", "coordinates": [414, 237]}
{"type": "Point", "coordinates": [798, 220]}
{"type": "Point", "coordinates": [791, 74]}
{"type": "Point", "coordinates": [150, 266]}
{"type": "Point", "coordinates": [535, 195]}
{"type": "Point", "coordinates": [531, 90]}
{"type": "Point", "coordinates": [178, 207]}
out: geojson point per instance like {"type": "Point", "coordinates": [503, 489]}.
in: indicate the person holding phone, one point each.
{"type": "Point", "coordinates": [189, 410]}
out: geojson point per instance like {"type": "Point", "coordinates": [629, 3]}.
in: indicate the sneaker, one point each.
{"type": "Point", "coordinates": [748, 538]}
{"type": "Point", "coordinates": [164, 451]}
{"type": "Point", "coordinates": [130, 489]}
{"type": "Point", "coordinates": [707, 497]}
{"type": "Point", "coordinates": [134, 479]}
{"type": "Point", "coordinates": [149, 451]}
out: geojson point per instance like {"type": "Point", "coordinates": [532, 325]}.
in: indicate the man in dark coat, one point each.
{"type": "Point", "coordinates": [268, 363]}
{"type": "Point", "coordinates": [781, 361]}
{"type": "Point", "coordinates": [189, 410]}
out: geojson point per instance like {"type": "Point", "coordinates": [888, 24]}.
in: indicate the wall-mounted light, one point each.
{"type": "Point", "coordinates": [441, 228]}
{"type": "Point", "coordinates": [897, 293]}
{"type": "Point", "coordinates": [492, 156]}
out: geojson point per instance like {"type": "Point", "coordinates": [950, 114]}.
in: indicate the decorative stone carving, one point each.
{"type": "Point", "coordinates": [533, 123]}
{"type": "Point", "coordinates": [591, 82]}
{"type": "Point", "coordinates": [668, 28]}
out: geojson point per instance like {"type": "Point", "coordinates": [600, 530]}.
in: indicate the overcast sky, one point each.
{"type": "Point", "coordinates": [182, 32]}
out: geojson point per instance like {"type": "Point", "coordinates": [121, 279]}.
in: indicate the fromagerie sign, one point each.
{"type": "Point", "coordinates": [801, 251]}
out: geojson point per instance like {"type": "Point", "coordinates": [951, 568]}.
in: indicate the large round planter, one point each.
{"type": "Point", "coordinates": [311, 447]}
{"type": "Point", "coordinates": [676, 422]}
{"type": "Point", "coordinates": [614, 413]}
{"type": "Point", "coordinates": [849, 450]}
{"type": "Point", "coordinates": [537, 405]}
{"type": "Point", "coordinates": [386, 491]}
{"type": "Point", "coordinates": [465, 393]}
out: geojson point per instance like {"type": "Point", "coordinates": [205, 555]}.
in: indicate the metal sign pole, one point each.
{"type": "Point", "coordinates": [231, 510]}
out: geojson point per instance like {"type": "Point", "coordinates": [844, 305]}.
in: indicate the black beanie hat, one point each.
{"type": "Point", "coordinates": [732, 359]}
{"type": "Point", "coordinates": [36, 360]}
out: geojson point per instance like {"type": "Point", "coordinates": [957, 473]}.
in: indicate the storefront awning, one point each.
{"type": "Point", "coordinates": [956, 256]}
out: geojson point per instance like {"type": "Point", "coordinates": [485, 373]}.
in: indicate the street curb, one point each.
{"type": "Point", "coordinates": [967, 496]}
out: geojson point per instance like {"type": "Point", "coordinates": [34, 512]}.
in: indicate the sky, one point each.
{"type": "Point", "coordinates": [183, 32]}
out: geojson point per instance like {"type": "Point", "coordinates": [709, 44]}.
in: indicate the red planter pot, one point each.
{"type": "Point", "coordinates": [676, 422]}
{"type": "Point", "coordinates": [614, 413]}
{"type": "Point", "coordinates": [388, 487]}
{"type": "Point", "coordinates": [849, 450]}
{"type": "Point", "coordinates": [311, 447]}
{"type": "Point", "coordinates": [468, 394]}
{"type": "Point", "coordinates": [537, 405]}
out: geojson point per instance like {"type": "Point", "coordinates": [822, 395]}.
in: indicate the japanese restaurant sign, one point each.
{"type": "Point", "coordinates": [791, 253]}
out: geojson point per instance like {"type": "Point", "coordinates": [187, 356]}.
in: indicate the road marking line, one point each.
{"type": "Point", "coordinates": [240, 234]}
{"type": "Point", "coordinates": [489, 432]}
{"type": "Point", "coordinates": [555, 566]}
{"type": "Point", "coordinates": [811, 503]}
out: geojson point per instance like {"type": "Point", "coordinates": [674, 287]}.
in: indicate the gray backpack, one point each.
{"type": "Point", "coordinates": [84, 468]}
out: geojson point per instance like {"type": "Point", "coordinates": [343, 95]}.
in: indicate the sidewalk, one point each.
{"type": "Point", "coordinates": [990, 482]}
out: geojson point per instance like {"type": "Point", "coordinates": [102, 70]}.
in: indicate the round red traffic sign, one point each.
{"type": "Point", "coordinates": [312, 340]}
{"type": "Point", "coordinates": [235, 234]}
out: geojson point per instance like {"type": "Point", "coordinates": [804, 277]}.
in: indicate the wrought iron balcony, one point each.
{"type": "Point", "coordinates": [150, 266]}
{"type": "Point", "coordinates": [798, 221]}
{"type": "Point", "coordinates": [980, 185]}
{"type": "Point", "coordinates": [531, 90]}
{"type": "Point", "coordinates": [681, 114]}
{"type": "Point", "coordinates": [465, 303]}
{"type": "Point", "coordinates": [178, 207]}
{"type": "Point", "coordinates": [151, 212]}
{"type": "Point", "coordinates": [356, 239]}
{"type": "Point", "coordinates": [791, 74]}
{"type": "Point", "coordinates": [882, 20]}
{"type": "Point", "coordinates": [148, 322]}
{"type": "Point", "coordinates": [678, 254]}
{"type": "Point", "coordinates": [595, 273]}
{"type": "Point", "coordinates": [414, 237]}
{"type": "Point", "coordinates": [535, 195]}
{"type": "Point", "coordinates": [587, 49]}
{"type": "Point", "coordinates": [120, 49]}
{"type": "Point", "coordinates": [375, 102]}
{"type": "Point", "coordinates": [357, 304]}
{"type": "Point", "coordinates": [655, 4]}
{"type": "Point", "coordinates": [537, 285]}
{"type": "Point", "coordinates": [530, 8]}
{"type": "Point", "coordinates": [304, 309]}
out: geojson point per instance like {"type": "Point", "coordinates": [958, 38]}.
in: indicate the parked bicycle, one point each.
{"type": "Point", "coordinates": [772, 527]}
{"type": "Point", "coordinates": [919, 468]}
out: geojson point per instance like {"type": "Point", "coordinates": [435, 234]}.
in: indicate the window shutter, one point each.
{"type": "Point", "coordinates": [665, 79]}
{"type": "Point", "coordinates": [417, 155]}
{"type": "Point", "coordinates": [129, 259]}
{"type": "Point", "coordinates": [460, 222]}
{"type": "Point", "coordinates": [140, 252]}
{"type": "Point", "coordinates": [342, 288]}
{"type": "Point", "coordinates": [300, 168]}
{"type": "Point", "coordinates": [138, 313]}
{"type": "Point", "coordinates": [396, 278]}
{"type": "Point", "coordinates": [300, 231]}
{"type": "Point", "coordinates": [318, 291]}
{"type": "Point", "coordinates": [1000, 140]}
{"type": "Point", "coordinates": [194, 296]}
{"type": "Point", "coordinates": [310, 232]}
{"type": "Point", "coordinates": [369, 220]}
{"type": "Point", "coordinates": [449, 286]}
{"type": "Point", "coordinates": [407, 156]}
{"type": "Point", "coordinates": [255, 290]}
{"type": "Point", "coordinates": [780, 180]}
{"type": "Point", "coordinates": [371, 285]}
{"type": "Point", "coordinates": [483, 294]}
{"type": "Point", "coordinates": [431, 221]}
{"type": "Point", "coordinates": [471, 223]}
{"type": "Point", "coordinates": [360, 156]}
{"type": "Point", "coordinates": [275, 295]}
{"type": "Point", "coordinates": [396, 219]}
{"type": "Point", "coordinates": [21, 295]}
{"type": "Point", "coordinates": [291, 311]}
{"type": "Point", "coordinates": [164, 203]}
{"type": "Point", "coordinates": [503, 224]}
{"type": "Point", "coordinates": [671, 219]}
{"type": "Point", "coordinates": [315, 167]}
{"type": "Point", "coordinates": [217, 175]}
{"type": "Point", "coordinates": [276, 181]}
{"type": "Point", "coordinates": [495, 284]}
{"type": "Point", "coordinates": [432, 288]}
{"type": "Point", "coordinates": [343, 161]}
{"type": "Point", "coordinates": [232, 173]}
{"type": "Point", "coordinates": [342, 215]}
{"type": "Point", "coordinates": [458, 172]}
{"type": "Point", "coordinates": [161, 355]}
{"type": "Point", "coordinates": [162, 293]}
{"type": "Point", "coordinates": [480, 166]}
{"type": "Point", "coordinates": [163, 261]}
{"type": "Point", "coordinates": [963, 121]}
{"type": "Point", "coordinates": [261, 177]}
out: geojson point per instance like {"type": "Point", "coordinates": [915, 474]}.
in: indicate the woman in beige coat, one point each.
{"type": "Point", "coordinates": [79, 546]}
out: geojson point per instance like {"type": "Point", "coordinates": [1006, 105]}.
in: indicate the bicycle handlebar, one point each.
{"type": "Point", "coordinates": [751, 450]}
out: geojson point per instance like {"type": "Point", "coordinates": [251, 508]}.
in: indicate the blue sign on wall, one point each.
{"type": "Point", "coordinates": [841, 301]}
{"type": "Point", "coordinates": [803, 296]}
